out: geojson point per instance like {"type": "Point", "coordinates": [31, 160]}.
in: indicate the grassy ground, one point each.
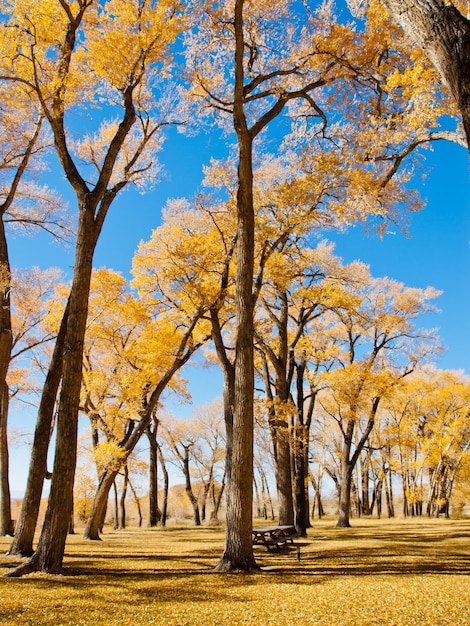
{"type": "Point", "coordinates": [376, 573]}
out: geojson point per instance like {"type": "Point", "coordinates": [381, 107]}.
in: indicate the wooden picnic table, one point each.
{"type": "Point", "coordinates": [274, 536]}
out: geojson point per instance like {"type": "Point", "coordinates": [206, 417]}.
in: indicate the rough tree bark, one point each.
{"type": "Point", "coordinates": [154, 512]}
{"type": "Point", "coordinates": [443, 33]}
{"type": "Point", "coordinates": [50, 550]}
{"type": "Point", "coordinates": [6, 523]}
{"type": "Point", "coordinates": [22, 544]}
{"type": "Point", "coordinates": [348, 463]}
{"type": "Point", "coordinates": [238, 551]}
{"type": "Point", "coordinates": [278, 420]}
{"type": "Point", "coordinates": [188, 486]}
{"type": "Point", "coordinates": [94, 522]}
{"type": "Point", "coordinates": [6, 342]}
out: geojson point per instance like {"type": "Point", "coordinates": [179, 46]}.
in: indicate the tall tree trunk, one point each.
{"type": "Point", "coordinates": [154, 512]}
{"type": "Point", "coordinates": [300, 479]}
{"type": "Point", "coordinates": [389, 494]}
{"type": "Point", "coordinates": [280, 426]}
{"type": "Point", "coordinates": [348, 462]}
{"type": "Point", "coordinates": [444, 35]}
{"type": "Point", "coordinates": [50, 550]}
{"type": "Point", "coordinates": [22, 544]}
{"type": "Point", "coordinates": [6, 335]}
{"type": "Point", "coordinates": [166, 486]}
{"type": "Point", "coordinates": [301, 435]}
{"type": "Point", "coordinates": [6, 523]}
{"type": "Point", "coordinates": [122, 501]}
{"type": "Point", "coordinates": [280, 436]}
{"type": "Point", "coordinates": [189, 489]}
{"type": "Point", "coordinates": [6, 342]}
{"type": "Point", "coordinates": [238, 551]}
{"type": "Point", "coordinates": [98, 508]}
{"type": "Point", "coordinates": [365, 480]}
{"type": "Point", "coordinates": [116, 507]}
{"type": "Point", "coordinates": [346, 478]}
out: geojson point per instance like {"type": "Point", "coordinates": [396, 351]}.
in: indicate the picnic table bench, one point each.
{"type": "Point", "coordinates": [275, 536]}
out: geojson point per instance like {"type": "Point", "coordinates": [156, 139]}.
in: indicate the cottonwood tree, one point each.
{"type": "Point", "coordinates": [25, 206]}
{"type": "Point", "coordinates": [183, 441]}
{"type": "Point", "coordinates": [69, 56]}
{"type": "Point", "coordinates": [114, 326]}
{"type": "Point", "coordinates": [173, 330]}
{"type": "Point", "coordinates": [401, 414]}
{"type": "Point", "coordinates": [209, 457]}
{"type": "Point", "coordinates": [428, 431]}
{"type": "Point", "coordinates": [447, 431]}
{"type": "Point", "coordinates": [435, 26]}
{"type": "Point", "coordinates": [270, 66]}
{"type": "Point", "coordinates": [287, 306]}
{"type": "Point", "coordinates": [381, 346]}
{"type": "Point", "coordinates": [378, 468]}
{"type": "Point", "coordinates": [254, 63]}
{"type": "Point", "coordinates": [155, 514]}
{"type": "Point", "coordinates": [31, 334]}
{"type": "Point", "coordinates": [442, 31]}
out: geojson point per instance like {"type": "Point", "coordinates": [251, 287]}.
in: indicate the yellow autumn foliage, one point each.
{"type": "Point", "coordinates": [109, 456]}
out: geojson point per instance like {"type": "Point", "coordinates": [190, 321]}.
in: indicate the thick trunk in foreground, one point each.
{"type": "Point", "coordinates": [50, 550]}
{"type": "Point", "coordinates": [238, 551]}
{"type": "Point", "coordinates": [444, 35]}
{"type": "Point", "coordinates": [22, 544]}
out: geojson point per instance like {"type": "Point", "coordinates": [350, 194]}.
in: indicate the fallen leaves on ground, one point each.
{"type": "Point", "coordinates": [387, 573]}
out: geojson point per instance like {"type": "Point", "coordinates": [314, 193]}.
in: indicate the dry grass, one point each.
{"type": "Point", "coordinates": [377, 573]}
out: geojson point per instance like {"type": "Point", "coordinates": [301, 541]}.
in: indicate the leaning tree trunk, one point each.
{"type": "Point", "coordinates": [49, 554]}
{"type": "Point", "coordinates": [100, 503]}
{"type": "Point", "coordinates": [444, 35]}
{"type": "Point", "coordinates": [22, 544]}
{"type": "Point", "coordinates": [189, 489]}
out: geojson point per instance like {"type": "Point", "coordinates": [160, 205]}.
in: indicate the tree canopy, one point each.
{"type": "Point", "coordinates": [324, 122]}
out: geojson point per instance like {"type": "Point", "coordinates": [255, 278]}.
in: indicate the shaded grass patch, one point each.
{"type": "Point", "coordinates": [378, 572]}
